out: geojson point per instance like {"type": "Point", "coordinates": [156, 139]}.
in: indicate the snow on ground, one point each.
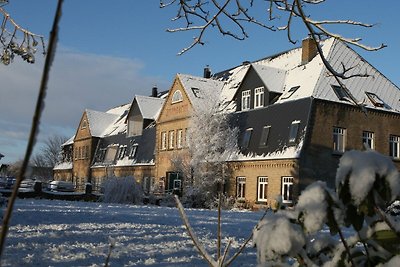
{"type": "Point", "coordinates": [61, 233]}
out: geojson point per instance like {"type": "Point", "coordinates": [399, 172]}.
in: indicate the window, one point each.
{"type": "Point", "coordinates": [368, 138]}
{"type": "Point", "coordinates": [262, 189]}
{"type": "Point", "coordinates": [339, 139]}
{"type": "Point", "coordinates": [177, 184]}
{"type": "Point", "coordinates": [287, 189]}
{"type": "Point", "coordinates": [240, 188]}
{"type": "Point", "coordinates": [394, 146]}
{"type": "Point", "coordinates": [179, 136]}
{"type": "Point", "coordinates": [294, 128]}
{"type": "Point", "coordinates": [132, 152]}
{"type": "Point", "coordinates": [86, 152]}
{"type": "Point", "coordinates": [84, 124]}
{"type": "Point", "coordinates": [246, 100]}
{"type": "Point", "coordinates": [148, 183]}
{"type": "Point", "coordinates": [376, 100]}
{"type": "Point", "coordinates": [101, 155]}
{"type": "Point", "coordinates": [196, 91]}
{"type": "Point", "coordinates": [163, 140]}
{"type": "Point", "coordinates": [259, 97]}
{"type": "Point", "coordinates": [177, 97]}
{"type": "Point", "coordinates": [187, 136]}
{"type": "Point", "coordinates": [247, 137]}
{"type": "Point", "coordinates": [341, 93]}
{"type": "Point", "coordinates": [290, 92]}
{"type": "Point", "coordinates": [171, 139]}
{"type": "Point", "coordinates": [264, 135]}
{"type": "Point", "coordinates": [80, 153]}
{"type": "Point", "coordinates": [122, 152]}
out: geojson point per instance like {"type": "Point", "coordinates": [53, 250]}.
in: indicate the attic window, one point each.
{"type": "Point", "coordinates": [84, 124]}
{"type": "Point", "coordinates": [291, 92]}
{"type": "Point", "coordinates": [341, 93]}
{"type": "Point", "coordinates": [247, 137]}
{"type": "Point", "coordinates": [177, 97]}
{"type": "Point", "coordinates": [111, 153]}
{"type": "Point", "coordinates": [294, 128]}
{"type": "Point", "coordinates": [264, 135]}
{"type": "Point", "coordinates": [132, 152]}
{"type": "Point", "coordinates": [196, 91]}
{"type": "Point", "coordinates": [375, 99]}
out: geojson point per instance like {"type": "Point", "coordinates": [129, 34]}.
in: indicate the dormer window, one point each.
{"type": "Point", "coordinates": [132, 153]}
{"type": "Point", "coordinates": [341, 93]}
{"type": "Point", "coordinates": [177, 97]}
{"type": "Point", "coordinates": [376, 101]}
{"type": "Point", "coordinates": [294, 129]}
{"type": "Point", "coordinates": [246, 100]}
{"type": "Point", "coordinates": [259, 97]}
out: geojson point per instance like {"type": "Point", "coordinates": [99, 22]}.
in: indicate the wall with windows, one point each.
{"type": "Point", "coordinates": [171, 130]}
{"type": "Point", "coordinates": [335, 128]}
{"type": "Point", "coordinates": [258, 183]}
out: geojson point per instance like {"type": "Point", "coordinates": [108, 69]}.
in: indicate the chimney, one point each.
{"type": "Point", "coordinates": [308, 50]}
{"type": "Point", "coordinates": [207, 72]}
{"type": "Point", "coordinates": [154, 91]}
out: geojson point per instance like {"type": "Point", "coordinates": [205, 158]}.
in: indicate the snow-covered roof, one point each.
{"type": "Point", "coordinates": [195, 86]}
{"type": "Point", "coordinates": [273, 78]}
{"type": "Point", "coordinates": [150, 107]}
{"type": "Point", "coordinates": [70, 141]}
{"type": "Point", "coordinates": [63, 166]}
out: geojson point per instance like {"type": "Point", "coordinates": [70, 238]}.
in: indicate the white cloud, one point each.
{"type": "Point", "coordinates": [77, 81]}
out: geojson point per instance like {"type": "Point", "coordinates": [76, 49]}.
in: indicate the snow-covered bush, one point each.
{"type": "Point", "coordinates": [122, 190]}
{"type": "Point", "coordinates": [361, 233]}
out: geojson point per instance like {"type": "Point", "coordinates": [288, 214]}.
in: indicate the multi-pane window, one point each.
{"type": "Point", "coordinates": [177, 97]}
{"type": "Point", "coordinates": [394, 146]}
{"type": "Point", "coordinates": [341, 93]}
{"type": "Point", "coordinates": [246, 99]}
{"type": "Point", "coordinates": [179, 139]}
{"type": "Point", "coordinates": [339, 139]}
{"type": "Point", "coordinates": [163, 140]}
{"type": "Point", "coordinates": [122, 152]}
{"type": "Point", "coordinates": [171, 139]}
{"type": "Point", "coordinates": [294, 128]}
{"type": "Point", "coordinates": [368, 139]}
{"type": "Point", "coordinates": [264, 135]}
{"type": "Point", "coordinates": [240, 187]}
{"type": "Point", "coordinates": [287, 189]}
{"type": "Point", "coordinates": [132, 153]}
{"type": "Point", "coordinates": [262, 189]}
{"type": "Point", "coordinates": [259, 97]}
{"type": "Point", "coordinates": [247, 137]}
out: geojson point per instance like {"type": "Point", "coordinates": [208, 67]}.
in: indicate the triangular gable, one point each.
{"type": "Point", "coordinates": [272, 78]}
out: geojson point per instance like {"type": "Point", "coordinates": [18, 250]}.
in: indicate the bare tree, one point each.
{"type": "Point", "coordinates": [50, 152]}
{"type": "Point", "coordinates": [16, 40]}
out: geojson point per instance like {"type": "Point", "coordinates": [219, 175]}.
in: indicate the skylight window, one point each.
{"type": "Point", "coordinates": [294, 128]}
{"type": "Point", "coordinates": [264, 135]}
{"type": "Point", "coordinates": [196, 91]}
{"type": "Point", "coordinates": [341, 93]}
{"type": "Point", "coordinates": [376, 100]}
{"type": "Point", "coordinates": [247, 137]}
{"type": "Point", "coordinates": [291, 92]}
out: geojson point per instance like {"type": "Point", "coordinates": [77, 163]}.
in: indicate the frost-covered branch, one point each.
{"type": "Point", "coordinates": [11, 34]}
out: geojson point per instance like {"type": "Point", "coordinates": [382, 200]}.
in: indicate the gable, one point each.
{"type": "Point", "coordinates": [83, 130]}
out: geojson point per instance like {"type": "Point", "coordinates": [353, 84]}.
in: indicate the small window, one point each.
{"type": "Point", "coordinates": [163, 140]}
{"type": "Point", "coordinates": [196, 92]}
{"type": "Point", "coordinates": [376, 100]}
{"type": "Point", "coordinates": [341, 93]}
{"type": "Point", "coordinates": [294, 128]}
{"type": "Point", "coordinates": [111, 153]}
{"type": "Point", "coordinates": [122, 152]}
{"type": "Point", "coordinates": [262, 189]}
{"type": "Point", "coordinates": [339, 140]}
{"type": "Point", "coordinates": [177, 97]}
{"type": "Point", "coordinates": [246, 138]}
{"type": "Point", "coordinates": [287, 189]}
{"type": "Point", "coordinates": [177, 184]}
{"type": "Point", "coordinates": [246, 100]}
{"type": "Point", "coordinates": [264, 135]}
{"type": "Point", "coordinates": [290, 92]}
{"type": "Point", "coordinates": [171, 139]}
{"type": "Point", "coordinates": [179, 140]}
{"type": "Point", "coordinates": [259, 97]}
{"type": "Point", "coordinates": [368, 139]}
{"type": "Point", "coordinates": [394, 146]}
{"type": "Point", "coordinates": [84, 124]}
{"type": "Point", "coordinates": [240, 188]}
{"type": "Point", "coordinates": [132, 152]}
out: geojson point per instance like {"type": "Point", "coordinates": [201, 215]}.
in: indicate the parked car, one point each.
{"type": "Point", "coordinates": [10, 181]}
{"type": "Point", "coordinates": [61, 186]}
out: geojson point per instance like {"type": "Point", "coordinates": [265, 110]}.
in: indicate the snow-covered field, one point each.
{"type": "Point", "coordinates": [61, 233]}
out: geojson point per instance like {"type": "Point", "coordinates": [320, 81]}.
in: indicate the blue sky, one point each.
{"type": "Point", "coordinates": [109, 51]}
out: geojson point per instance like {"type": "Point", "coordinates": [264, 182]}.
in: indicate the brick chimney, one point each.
{"type": "Point", "coordinates": [308, 50]}
{"type": "Point", "coordinates": [207, 72]}
{"type": "Point", "coordinates": [154, 91]}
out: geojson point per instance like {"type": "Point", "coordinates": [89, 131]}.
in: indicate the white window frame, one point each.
{"type": "Point", "coordinates": [394, 146]}
{"type": "Point", "coordinates": [262, 188]}
{"type": "Point", "coordinates": [369, 139]}
{"type": "Point", "coordinates": [163, 140]}
{"type": "Point", "coordinates": [339, 140]}
{"type": "Point", "coordinates": [246, 96]}
{"type": "Point", "coordinates": [287, 189]}
{"type": "Point", "coordinates": [179, 139]}
{"type": "Point", "coordinates": [171, 139]}
{"type": "Point", "coordinates": [177, 97]}
{"type": "Point", "coordinates": [259, 97]}
{"type": "Point", "coordinates": [132, 153]}
{"type": "Point", "coordinates": [241, 188]}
